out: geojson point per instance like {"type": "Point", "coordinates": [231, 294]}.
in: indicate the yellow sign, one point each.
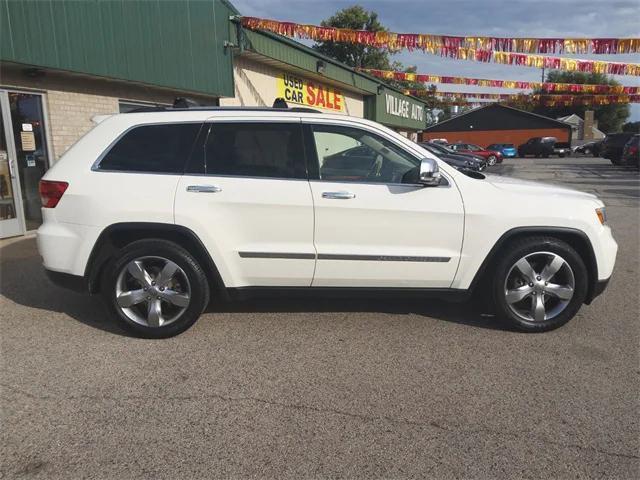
{"type": "Point", "coordinates": [305, 92]}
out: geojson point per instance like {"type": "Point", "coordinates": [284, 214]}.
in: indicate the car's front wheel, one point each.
{"type": "Point", "coordinates": [155, 288]}
{"type": "Point", "coordinates": [492, 160]}
{"type": "Point", "coordinates": [540, 284]}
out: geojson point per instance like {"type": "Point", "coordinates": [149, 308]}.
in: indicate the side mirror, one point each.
{"type": "Point", "coordinates": [429, 172]}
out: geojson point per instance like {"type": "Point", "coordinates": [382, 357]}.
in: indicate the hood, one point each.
{"type": "Point", "coordinates": [536, 188]}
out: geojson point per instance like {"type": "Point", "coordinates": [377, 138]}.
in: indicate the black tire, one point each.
{"type": "Point", "coordinates": [518, 250]}
{"type": "Point", "coordinates": [197, 280]}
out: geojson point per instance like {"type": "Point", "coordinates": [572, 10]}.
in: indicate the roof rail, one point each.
{"type": "Point", "coordinates": [214, 108]}
{"type": "Point", "coordinates": [182, 104]}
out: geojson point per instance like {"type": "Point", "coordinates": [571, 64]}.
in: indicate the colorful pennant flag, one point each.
{"type": "Point", "coordinates": [567, 99]}
{"type": "Point", "coordinates": [447, 43]}
{"type": "Point", "coordinates": [482, 82]}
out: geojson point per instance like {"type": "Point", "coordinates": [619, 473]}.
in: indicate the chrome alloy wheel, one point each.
{"type": "Point", "coordinates": [539, 286]}
{"type": "Point", "coordinates": [492, 160]}
{"type": "Point", "coordinates": [152, 291]}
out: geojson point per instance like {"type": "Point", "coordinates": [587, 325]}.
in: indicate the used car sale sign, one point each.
{"type": "Point", "coordinates": [306, 92]}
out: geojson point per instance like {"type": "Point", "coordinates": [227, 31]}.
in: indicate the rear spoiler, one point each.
{"type": "Point", "coordinates": [100, 118]}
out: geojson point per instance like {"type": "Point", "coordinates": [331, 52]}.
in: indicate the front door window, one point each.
{"type": "Point", "coordinates": [351, 154]}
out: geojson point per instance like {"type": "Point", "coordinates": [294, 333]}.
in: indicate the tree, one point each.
{"type": "Point", "coordinates": [610, 117]}
{"type": "Point", "coordinates": [633, 127]}
{"type": "Point", "coordinates": [358, 56]}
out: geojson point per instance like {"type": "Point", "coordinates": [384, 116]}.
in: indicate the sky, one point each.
{"type": "Point", "coordinates": [500, 18]}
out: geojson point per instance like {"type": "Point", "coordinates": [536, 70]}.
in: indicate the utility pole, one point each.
{"type": "Point", "coordinates": [542, 75]}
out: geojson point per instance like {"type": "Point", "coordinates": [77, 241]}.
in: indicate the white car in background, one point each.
{"type": "Point", "coordinates": [161, 210]}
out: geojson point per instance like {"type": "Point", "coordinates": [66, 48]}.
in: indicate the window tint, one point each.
{"type": "Point", "coordinates": [357, 155]}
{"type": "Point", "coordinates": [152, 148]}
{"type": "Point", "coordinates": [255, 150]}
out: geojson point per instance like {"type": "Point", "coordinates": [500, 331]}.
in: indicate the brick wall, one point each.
{"type": "Point", "coordinates": [487, 137]}
{"type": "Point", "coordinates": [73, 100]}
{"type": "Point", "coordinates": [70, 116]}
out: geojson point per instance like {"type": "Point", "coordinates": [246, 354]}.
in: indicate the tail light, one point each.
{"type": "Point", "coordinates": [51, 192]}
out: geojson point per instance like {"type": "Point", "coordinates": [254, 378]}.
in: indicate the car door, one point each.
{"type": "Point", "coordinates": [372, 228]}
{"type": "Point", "coordinates": [247, 196]}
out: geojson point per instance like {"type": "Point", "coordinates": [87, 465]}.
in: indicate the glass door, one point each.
{"type": "Point", "coordinates": [32, 155]}
{"type": "Point", "coordinates": [11, 219]}
{"type": "Point", "coordinates": [24, 158]}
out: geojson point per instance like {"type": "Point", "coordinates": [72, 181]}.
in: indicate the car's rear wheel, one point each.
{"type": "Point", "coordinates": [156, 289]}
{"type": "Point", "coordinates": [540, 284]}
{"type": "Point", "coordinates": [491, 160]}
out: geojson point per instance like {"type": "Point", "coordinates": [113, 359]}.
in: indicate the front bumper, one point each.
{"type": "Point", "coordinates": [598, 288]}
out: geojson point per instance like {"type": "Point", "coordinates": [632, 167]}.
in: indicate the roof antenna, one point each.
{"type": "Point", "coordinates": [184, 102]}
{"type": "Point", "coordinates": [280, 103]}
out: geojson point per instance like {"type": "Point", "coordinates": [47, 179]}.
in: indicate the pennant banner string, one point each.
{"type": "Point", "coordinates": [507, 51]}
{"type": "Point", "coordinates": [577, 99]}
{"type": "Point", "coordinates": [483, 82]}
{"type": "Point", "coordinates": [429, 41]}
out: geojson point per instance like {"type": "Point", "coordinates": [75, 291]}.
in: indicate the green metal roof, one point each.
{"type": "Point", "coordinates": [170, 43]}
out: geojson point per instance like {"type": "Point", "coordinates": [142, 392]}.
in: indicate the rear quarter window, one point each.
{"type": "Point", "coordinates": [161, 148]}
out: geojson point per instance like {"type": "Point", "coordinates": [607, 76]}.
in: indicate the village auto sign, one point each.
{"type": "Point", "coordinates": [400, 107]}
{"type": "Point", "coordinates": [306, 92]}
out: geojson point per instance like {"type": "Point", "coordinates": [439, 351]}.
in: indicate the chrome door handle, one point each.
{"type": "Point", "coordinates": [339, 195]}
{"type": "Point", "coordinates": [203, 189]}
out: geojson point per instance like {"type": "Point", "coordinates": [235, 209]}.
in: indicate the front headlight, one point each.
{"type": "Point", "coordinates": [602, 215]}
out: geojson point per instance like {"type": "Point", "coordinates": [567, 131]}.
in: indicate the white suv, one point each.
{"type": "Point", "coordinates": [157, 210]}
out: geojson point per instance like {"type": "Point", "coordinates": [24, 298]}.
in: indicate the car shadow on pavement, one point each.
{"type": "Point", "coordinates": [461, 313]}
{"type": "Point", "coordinates": [22, 280]}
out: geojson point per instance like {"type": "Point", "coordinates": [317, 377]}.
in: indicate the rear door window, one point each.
{"type": "Point", "coordinates": [271, 150]}
{"type": "Point", "coordinates": [163, 148]}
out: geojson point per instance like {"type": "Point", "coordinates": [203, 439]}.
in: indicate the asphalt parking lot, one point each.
{"type": "Point", "coordinates": [327, 388]}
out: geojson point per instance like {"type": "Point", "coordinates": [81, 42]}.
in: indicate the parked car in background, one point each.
{"type": "Point", "coordinates": [589, 148]}
{"type": "Point", "coordinates": [508, 150]}
{"type": "Point", "coordinates": [492, 157]}
{"type": "Point", "coordinates": [537, 146]}
{"type": "Point", "coordinates": [455, 160]}
{"type": "Point", "coordinates": [562, 149]}
{"type": "Point", "coordinates": [448, 151]}
{"type": "Point", "coordinates": [631, 153]}
{"type": "Point", "coordinates": [439, 141]}
{"type": "Point", "coordinates": [613, 146]}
